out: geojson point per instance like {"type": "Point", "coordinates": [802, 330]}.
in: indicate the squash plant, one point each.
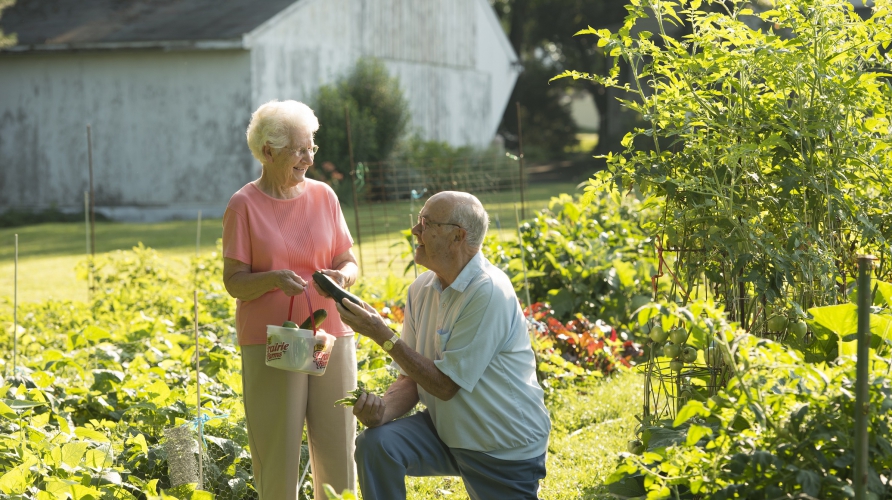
{"type": "Point", "coordinates": [592, 259]}
{"type": "Point", "coordinates": [768, 136]}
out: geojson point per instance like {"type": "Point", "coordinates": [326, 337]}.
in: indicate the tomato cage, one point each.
{"type": "Point", "coordinates": [666, 389]}
{"type": "Point", "coordinates": [677, 371]}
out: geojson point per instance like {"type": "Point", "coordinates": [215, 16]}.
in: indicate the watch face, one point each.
{"type": "Point", "coordinates": [388, 345]}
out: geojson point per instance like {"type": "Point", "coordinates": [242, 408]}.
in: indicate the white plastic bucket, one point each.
{"type": "Point", "coordinates": [298, 350]}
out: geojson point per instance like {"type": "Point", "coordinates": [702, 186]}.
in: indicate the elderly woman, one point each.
{"type": "Point", "coordinates": [278, 230]}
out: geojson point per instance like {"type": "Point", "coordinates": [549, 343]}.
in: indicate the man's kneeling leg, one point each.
{"type": "Point", "coordinates": [409, 446]}
{"type": "Point", "coordinates": [486, 477]}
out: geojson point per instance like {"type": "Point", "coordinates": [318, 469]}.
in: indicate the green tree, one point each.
{"type": "Point", "coordinates": [538, 32]}
{"type": "Point", "coordinates": [379, 115]}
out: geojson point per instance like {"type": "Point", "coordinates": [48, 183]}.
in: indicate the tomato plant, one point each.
{"type": "Point", "coordinates": [767, 133]}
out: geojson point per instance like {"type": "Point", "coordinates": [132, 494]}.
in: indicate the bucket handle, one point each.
{"type": "Point", "coordinates": [309, 305]}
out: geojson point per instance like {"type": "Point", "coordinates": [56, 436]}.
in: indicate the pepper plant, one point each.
{"type": "Point", "coordinates": [767, 133]}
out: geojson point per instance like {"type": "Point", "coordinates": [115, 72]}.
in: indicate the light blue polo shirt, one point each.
{"type": "Point", "coordinates": [476, 333]}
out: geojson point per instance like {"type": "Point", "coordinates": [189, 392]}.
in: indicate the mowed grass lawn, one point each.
{"type": "Point", "coordinates": [49, 253]}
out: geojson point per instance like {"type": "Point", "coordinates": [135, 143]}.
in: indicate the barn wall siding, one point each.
{"type": "Point", "coordinates": [168, 128]}
{"type": "Point", "coordinates": [453, 66]}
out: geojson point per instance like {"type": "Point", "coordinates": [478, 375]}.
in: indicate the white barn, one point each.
{"type": "Point", "coordinates": [168, 87]}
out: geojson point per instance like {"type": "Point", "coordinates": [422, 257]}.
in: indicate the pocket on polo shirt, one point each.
{"type": "Point", "coordinates": [440, 343]}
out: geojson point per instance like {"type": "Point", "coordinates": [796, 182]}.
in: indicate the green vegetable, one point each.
{"type": "Point", "coordinates": [799, 329]}
{"type": "Point", "coordinates": [289, 324]}
{"type": "Point", "coordinates": [658, 335]}
{"type": "Point", "coordinates": [636, 446]}
{"type": "Point", "coordinates": [319, 315]}
{"type": "Point", "coordinates": [678, 335]}
{"type": "Point", "coordinates": [671, 350]}
{"type": "Point", "coordinates": [777, 324]}
{"type": "Point", "coordinates": [353, 396]}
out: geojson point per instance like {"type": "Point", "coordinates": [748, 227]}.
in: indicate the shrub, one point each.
{"type": "Point", "coordinates": [782, 430]}
{"type": "Point", "coordinates": [379, 115]}
{"type": "Point", "coordinates": [594, 259]}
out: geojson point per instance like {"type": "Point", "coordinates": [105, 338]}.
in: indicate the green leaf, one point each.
{"type": "Point", "coordinates": [72, 453]}
{"type": "Point", "coordinates": [840, 319]}
{"type": "Point", "coordinates": [696, 432]}
{"type": "Point", "coordinates": [18, 404]}
{"type": "Point", "coordinates": [628, 487]}
{"type": "Point", "coordinates": [90, 435]}
{"type": "Point", "coordinates": [6, 411]}
{"type": "Point", "coordinates": [692, 409]}
{"type": "Point", "coordinates": [140, 441]}
{"type": "Point", "coordinates": [17, 479]}
{"type": "Point", "coordinates": [94, 334]}
{"type": "Point", "coordinates": [883, 295]}
{"type": "Point", "coordinates": [97, 459]}
{"type": "Point", "coordinates": [810, 482]}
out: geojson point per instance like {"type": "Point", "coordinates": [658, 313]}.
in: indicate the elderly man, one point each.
{"type": "Point", "coordinates": [465, 353]}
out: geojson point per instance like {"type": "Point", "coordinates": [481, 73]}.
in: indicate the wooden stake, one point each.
{"type": "Point", "coordinates": [198, 236]}
{"type": "Point", "coordinates": [15, 307]}
{"type": "Point", "coordinates": [92, 194]}
{"type": "Point", "coordinates": [353, 186]}
{"type": "Point", "coordinates": [198, 394]}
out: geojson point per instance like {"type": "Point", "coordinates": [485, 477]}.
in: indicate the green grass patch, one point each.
{"type": "Point", "coordinates": [592, 422]}
{"type": "Point", "coordinates": [48, 253]}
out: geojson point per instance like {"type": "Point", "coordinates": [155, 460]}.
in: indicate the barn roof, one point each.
{"type": "Point", "coordinates": [114, 24]}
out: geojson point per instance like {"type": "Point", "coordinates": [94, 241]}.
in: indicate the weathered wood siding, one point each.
{"type": "Point", "coordinates": [168, 129]}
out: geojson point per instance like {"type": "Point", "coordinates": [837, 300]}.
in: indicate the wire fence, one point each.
{"type": "Point", "coordinates": [389, 196]}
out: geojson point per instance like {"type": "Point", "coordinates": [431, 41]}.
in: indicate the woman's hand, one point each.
{"type": "Point", "coordinates": [290, 282]}
{"type": "Point", "coordinates": [338, 277]}
{"type": "Point", "coordinates": [369, 409]}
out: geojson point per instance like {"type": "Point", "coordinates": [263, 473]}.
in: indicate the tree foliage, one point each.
{"type": "Point", "coordinates": [379, 115]}
{"type": "Point", "coordinates": [538, 32]}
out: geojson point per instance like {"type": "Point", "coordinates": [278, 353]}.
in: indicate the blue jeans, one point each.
{"type": "Point", "coordinates": [411, 447]}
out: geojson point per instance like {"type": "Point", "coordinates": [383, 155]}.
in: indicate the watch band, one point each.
{"type": "Point", "coordinates": [389, 343]}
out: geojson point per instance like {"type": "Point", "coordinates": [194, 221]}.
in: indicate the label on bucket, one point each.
{"type": "Point", "coordinates": [298, 350]}
{"type": "Point", "coordinates": [320, 356]}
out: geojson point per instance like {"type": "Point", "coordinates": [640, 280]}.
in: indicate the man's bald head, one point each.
{"type": "Point", "coordinates": [467, 212]}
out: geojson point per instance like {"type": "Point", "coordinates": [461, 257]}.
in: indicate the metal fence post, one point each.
{"type": "Point", "coordinates": [862, 396]}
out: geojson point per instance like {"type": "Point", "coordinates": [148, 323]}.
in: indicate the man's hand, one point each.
{"type": "Point", "coordinates": [369, 409]}
{"type": "Point", "coordinates": [364, 320]}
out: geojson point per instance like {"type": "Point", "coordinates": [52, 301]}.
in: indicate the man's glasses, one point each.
{"type": "Point", "coordinates": [302, 151]}
{"type": "Point", "coordinates": [424, 221]}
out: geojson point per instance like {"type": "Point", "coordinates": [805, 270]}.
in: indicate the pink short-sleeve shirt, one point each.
{"type": "Point", "coordinates": [302, 234]}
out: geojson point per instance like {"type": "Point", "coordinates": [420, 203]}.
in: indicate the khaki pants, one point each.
{"type": "Point", "coordinates": [276, 404]}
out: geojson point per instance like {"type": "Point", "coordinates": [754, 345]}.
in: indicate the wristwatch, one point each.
{"type": "Point", "coordinates": [388, 344]}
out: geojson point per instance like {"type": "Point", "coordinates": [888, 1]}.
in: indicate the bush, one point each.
{"type": "Point", "coordinates": [379, 115]}
{"type": "Point", "coordinates": [594, 260]}
{"type": "Point", "coordinates": [782, 430]}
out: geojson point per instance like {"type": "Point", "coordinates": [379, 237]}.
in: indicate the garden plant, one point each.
{"type": "Point", "coordinates": [766, 136]}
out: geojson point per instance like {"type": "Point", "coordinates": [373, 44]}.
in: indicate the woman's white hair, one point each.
{"type": "Point", "coordinates": [274, 122]}
{"type": "Point", "coordinates": [469, 213]}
